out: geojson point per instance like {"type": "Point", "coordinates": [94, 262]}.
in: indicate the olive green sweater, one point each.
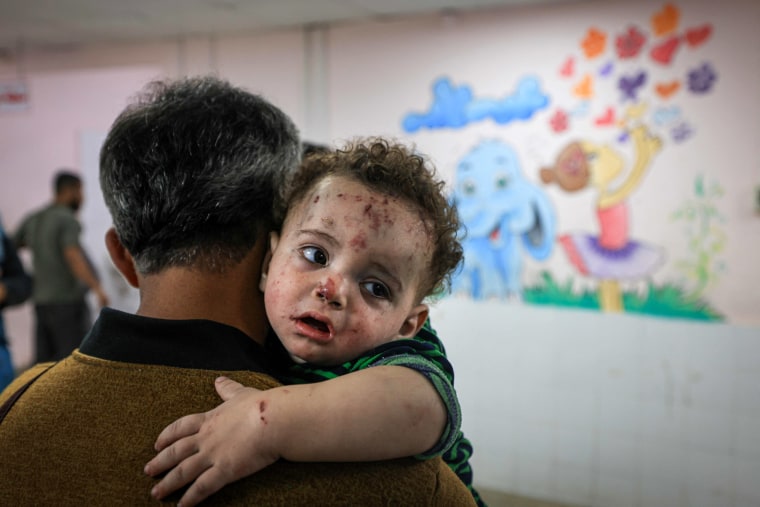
{"type": "Point", "coordinates": [82, 433]}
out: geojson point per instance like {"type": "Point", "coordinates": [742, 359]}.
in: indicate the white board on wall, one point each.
{"type": "Point", "coordinates": [96, 220]}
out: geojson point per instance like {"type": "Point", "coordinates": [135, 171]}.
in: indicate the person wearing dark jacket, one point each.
{"type": "Point", "coordinates": [15, 288]}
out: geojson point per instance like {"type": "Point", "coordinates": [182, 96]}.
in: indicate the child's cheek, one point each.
{"type": "Point", "coordinates": [355, 338]}
{"type": "Point", "coordinates": [275, 282]}
{"type": "Point", "coordinates": [273, 297]}
{"type": "Point", "coordinates": [365, 336]}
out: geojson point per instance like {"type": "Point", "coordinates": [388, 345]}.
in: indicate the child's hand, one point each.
{"type": "Point", "coordinates": [214, 448]}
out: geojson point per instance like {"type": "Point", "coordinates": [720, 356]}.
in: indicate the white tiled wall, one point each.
{"type": "Point", "coordinates": [607, 410]}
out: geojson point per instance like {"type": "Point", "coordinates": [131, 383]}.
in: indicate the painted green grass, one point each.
{"type": "Point", "coordinates": [662, 301]}
{"type": "Point", "coordinates": [549, 292]}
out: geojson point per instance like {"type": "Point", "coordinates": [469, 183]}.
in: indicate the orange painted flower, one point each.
{"type": "Point", "coordinates": [665, 21]}
{"type": "Point", "coordinates": [594, 43]}
{"type": "Point", "coordinates": [665, 90]}
{"type": "Point", "coordinates": [585, 89]}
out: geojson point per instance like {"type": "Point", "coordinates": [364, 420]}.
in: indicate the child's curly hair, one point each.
{"type": "Point", "coordinates": [394, 170]}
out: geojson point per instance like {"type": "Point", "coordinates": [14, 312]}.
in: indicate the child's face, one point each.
{"type": "Point", "coordinates": [345, 272]}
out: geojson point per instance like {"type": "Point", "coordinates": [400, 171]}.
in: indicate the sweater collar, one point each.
{"type": "Point", "coordinates": [199, 344]}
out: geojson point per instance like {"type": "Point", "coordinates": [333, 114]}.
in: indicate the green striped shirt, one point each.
{"type": "Point", "coordinates": [425, 354]}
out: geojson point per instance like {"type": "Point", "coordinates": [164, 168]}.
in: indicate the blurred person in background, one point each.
{"type": "Point", "coordinates": [15, 288]}
{"type": "Point", "coordinates": [62, 272]}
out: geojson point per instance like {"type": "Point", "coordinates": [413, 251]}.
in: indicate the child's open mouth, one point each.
{"type": "Point", "coordinates": [313, 328]}
{"type": "Point", "coordinates": [316, 324]}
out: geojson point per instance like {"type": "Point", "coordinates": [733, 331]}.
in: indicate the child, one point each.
{"type": "Point", "coordinates": [367, 235]}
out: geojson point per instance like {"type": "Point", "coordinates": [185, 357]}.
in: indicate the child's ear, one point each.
{"type": "Point", "coordinates": [413, 322]}
{"type": "Point", "coordinates": [274, 238]}
{"type": "Point", "coordinates": [121, 258]}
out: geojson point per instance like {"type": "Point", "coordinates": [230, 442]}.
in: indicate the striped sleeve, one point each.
{"type": "Point", "coordinates": [425, 354]}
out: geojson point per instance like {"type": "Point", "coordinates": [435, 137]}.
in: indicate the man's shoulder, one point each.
{"type": "Point", "coordinates": [405, 481]}
{"type": "Point", "coordinates": [37, 213]}
{"type": "Point", "coordinates": [21, 380]}
{"type": "Point", "coordinates": [28, 220]}
{"type": "Point", "coordinates": [44, 214]}
{"type": "Point", "coordinates": [61, 213]}
{"type": "Point", "coordinates": [112, 407]}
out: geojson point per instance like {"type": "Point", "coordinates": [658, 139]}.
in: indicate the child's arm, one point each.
{"type": "Point", "coordinates": [394, 412]}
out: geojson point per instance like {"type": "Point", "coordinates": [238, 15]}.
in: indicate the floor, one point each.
{"type": "Point", "coordinates": [500, 499]}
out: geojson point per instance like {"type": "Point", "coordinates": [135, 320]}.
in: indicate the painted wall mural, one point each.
{"type": "Point", "coordinates": [609, 255]}
{"type": "Point", "coordinates": [619, 108]}
{"type": "Point", "coordinates": [506, 217]}
{"type": "Point", "coordinates": [455, 107]}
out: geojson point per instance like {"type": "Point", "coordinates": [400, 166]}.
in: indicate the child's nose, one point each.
{"type": "Point", "coordinates": [332, 292]}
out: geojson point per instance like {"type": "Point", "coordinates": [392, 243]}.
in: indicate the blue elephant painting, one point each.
{"type": "Point", "coordinates": [505, 217]}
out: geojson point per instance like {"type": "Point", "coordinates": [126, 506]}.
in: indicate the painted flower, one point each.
{"type": "Point", "coordinates": [558, 121]}
{"type": "Point", "coordinates": [702, 78]}
{"type": "Point", "coordinates": [629, 44]}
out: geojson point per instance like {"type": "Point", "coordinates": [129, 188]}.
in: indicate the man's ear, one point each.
{"type": "Point", "coordinates": [121, 258]}
{"type": "Point", "coordinates": [274, 238]}
{"type": "Point", "coordinates": [413, 322]}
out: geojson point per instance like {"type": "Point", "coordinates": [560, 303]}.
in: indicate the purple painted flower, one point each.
{"type": "Point", "coordinates": [702, 78]}
{"type": "Point", "coordinates": [630, 85]}
{"type": "Point", "coordinates": [681, 132]}
{"type": "Point", "coordinates": [606, 69]}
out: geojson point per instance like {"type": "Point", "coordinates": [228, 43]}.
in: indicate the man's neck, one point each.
{"type": "Point", "coordinates": [231, 298]}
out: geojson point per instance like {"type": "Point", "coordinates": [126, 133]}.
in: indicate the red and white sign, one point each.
{"type": "Point", "coordinates": [13, 97]}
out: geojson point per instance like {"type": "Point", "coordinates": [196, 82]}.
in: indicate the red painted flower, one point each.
{"type": "Point", "coordinates": [558, 121]}
{"type": "Point", "coordinates": [630, 43]}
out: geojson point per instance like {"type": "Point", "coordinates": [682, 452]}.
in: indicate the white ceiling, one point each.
{"type": "Point", "coordinates": [47, 24]}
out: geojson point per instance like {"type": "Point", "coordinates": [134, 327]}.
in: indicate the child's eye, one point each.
{"type": "Point", "coordinates": [377, 290]}
{"type": "Point", "coordinates": [314, 255]}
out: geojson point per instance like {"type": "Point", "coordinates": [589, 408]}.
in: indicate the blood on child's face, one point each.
{"type": "Point", "coordinates": [345, 272]}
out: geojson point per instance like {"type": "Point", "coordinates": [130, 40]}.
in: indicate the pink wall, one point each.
{"type": "Point", "coordinates": [80, 91]}
{"type": "Point", "coordinates": [36, 142]}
